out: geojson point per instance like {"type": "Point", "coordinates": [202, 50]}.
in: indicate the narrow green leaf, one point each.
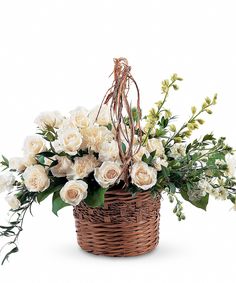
{"type": "Point", "coordinates": [46, 154]}
{"type": "Point", "coordinates": [43, 195]}
{"type": "Point", "coordinates": [123, 147]}
{"type": "Point", "coordinates": [57, 203]}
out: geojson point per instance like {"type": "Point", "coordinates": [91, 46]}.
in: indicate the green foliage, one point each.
{"type": "Point", "coordinates": [57, 203]}
{"type": "Point", "coordinates": [52, 189]}
{"type": "Point", "coordinates": [95, 197]}
{"type": "Point", "coordinates": [201, 203]}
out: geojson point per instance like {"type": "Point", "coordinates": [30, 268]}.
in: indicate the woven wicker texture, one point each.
{"type": "Point", "coordinates": [125, 226]}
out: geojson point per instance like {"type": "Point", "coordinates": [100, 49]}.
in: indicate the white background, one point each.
{"type": "Point", "coordinates": [58, 55]}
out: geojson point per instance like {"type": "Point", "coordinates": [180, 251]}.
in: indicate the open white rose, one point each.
{"type": "Point", "coordinates": [74, 192]}
{"type": "Point", "coordinates": [107, 174]}
{"type": "Point", "coordinates": [49, 118]}
{"type": "Point", "coordinates": [17, 163]}
{"type": "Point", "coordinates": [62, 168]}
{"type": "Point", "coordinates": [155, 145]}
{"type": "Point", "coordinates": [70, 139]}
{"type": "Point", "coordinates": [104, 117]}
{"type": "Point", "coordinates": [82, 167]}
{"type": "Point", "coordinates": [34, 145]}
{"type": "Point", "coordinates": [36, 178]}
{"type": "Point", "coordinates": [94, 137]}
{"type": "Point", "coordinates": [178, 150]}
{"type": "Point", "coordinates": [79, 117]}
{"type": "Point", "coordinates": [109, 151]}
{"type": "Point", "coordinates": [6, 182]}
{"type": "Point", "coordinates": [13, 201]}
{"type": "Point", "coordinates": [143, 176]}
{"type": "Point", "coordinates": [138, 155]}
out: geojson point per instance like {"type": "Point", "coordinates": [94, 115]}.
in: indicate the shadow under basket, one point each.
{"type": "Point", "coordinates": [125, 226]}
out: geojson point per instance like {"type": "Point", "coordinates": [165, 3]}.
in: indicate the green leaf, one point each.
{"type": "Point", "coordinates": [123, 147]}
{"type": "Point", "coordinates": [13, 250]}
{"type": "Point", "coordinates": [172, 188]}
{"type": "Point", "coordinates": [46, 154]}
{"type": "Point", "coordinates": [109, 126]}
{"type": "Point", "coordinates": [96, 197]}
{"type": "Point", "coordinates": [208, 137]}
{"type": "Point", "coordinates": [43, 195]}
{"type": "Point", "coordinates": [57, 203]}
{"type": "Point", "coordinates": [201, 203]}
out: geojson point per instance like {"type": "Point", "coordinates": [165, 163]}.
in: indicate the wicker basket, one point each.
{"type": "Point", "coordinates": [125, 226]}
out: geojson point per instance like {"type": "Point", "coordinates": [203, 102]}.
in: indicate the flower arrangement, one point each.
{"type": "Point", "coordinates": [79, 157]}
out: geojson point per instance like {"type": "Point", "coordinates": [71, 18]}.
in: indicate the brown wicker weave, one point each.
{"type": "Point", "coordinates": [125, 226]}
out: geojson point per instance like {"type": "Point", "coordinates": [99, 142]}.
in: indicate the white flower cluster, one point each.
{"type": "Point", "coordinates": [85, 132]}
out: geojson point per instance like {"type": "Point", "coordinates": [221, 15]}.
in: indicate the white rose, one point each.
{"type": "Point", "coordinates": [143, 176]}
{"type": "Point", "coordinates": [34, 145]}
{"type": "Point", "coordinates": [107, 174]}
{"type": "Point", "coordinates": [109, 151]}
{"type": "Point", "coordinates": [82, 167]}
{"type": "Point", "coordinates": [231, 165]}
{"type": "Point", "coordinates": [50, 118]}
{"type": "Point", "coordinates": [104, 117]}
{"type": "Point", "coordinates": [79, 117]}
{"type": "Point", "coordinates": [74, 192]}
{"type": "Point", "coordinates": [155, 145]}
{"type": "Point", "coordinates": [17, 163]}
{"type": "Point", "coordinates": [62, 168]}
{"type": "Point", "coordinates": [159, 162]}
{"type": "Point", "coordinates": [70, 139]}
{"type": "Point", "coordinates": [36, 178]}
{"type": "Point", "coordinates": [178, 150]}
{"type": "Point", "coordinates": [138, 155]}
{"type": "Point", "coordinates": [57, 146]}
{"type": "Point", "coordinates": [6, 182]}
{"type": "Point", "coordinates": [29, 160]}
{"type": "Point", "coordinates": [93, 137]}
{"type": "Point", "coordinates": [13, 201]}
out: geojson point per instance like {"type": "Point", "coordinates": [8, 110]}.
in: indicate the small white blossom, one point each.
{"type": "Point", "coordinates": [178, 150]}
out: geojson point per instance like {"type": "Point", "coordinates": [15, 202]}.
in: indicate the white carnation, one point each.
{"type": "Point", "coordinates": [74, 192]}
{"type": "Point", "coordinates": [82, 167]}
{"type": "Point", "coordinates": [36, 178]}
{"type": "Point", "coordinates": [62, 168]}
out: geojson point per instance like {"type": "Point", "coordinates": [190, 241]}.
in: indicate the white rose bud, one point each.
{"type": "Point", "coordinates": [155, 145]}
{"type": "Point", "coordinates": [13, 201]}
{"type": "Point", "coordinates": [62, 168]}
{"type": "Point", "coordinates": [104, 117]}
{"type": "Point", "coordinates": [50, 118]}
{"type": "Point", "coordinates": [6, 182]}
{"type": "Point", "coordinates": [143, 176]}
{"type": "Point", "coordinates": [17, 163]}
{"type": "Point", "coordinates": [74, 192]}
{"type": "Point", "coordinates": [82, 167]}
{"type": "Point", "coordinates": [107, 174]}
{"type": "Point", "coordinates": [109, 151]}
{"type": "Point", "coordinates": [36, 178]}
{"type": "Point", "coordinates": [70, 139]}
{"type": "Point", "coordinates": [79, 117]}
{"type": "Point", "coordinates": [34, 145]}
